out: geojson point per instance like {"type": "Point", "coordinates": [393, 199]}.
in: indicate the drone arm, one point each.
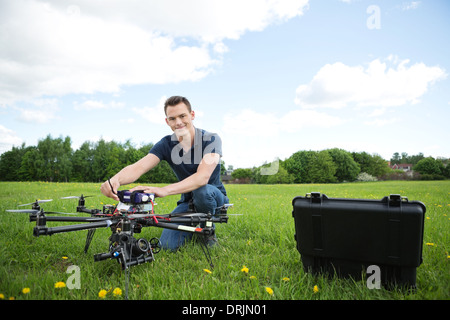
{"type": "Point", "coordinates": [182, 224]}
{"type": "Point", "coordinates": [42, 230]}
{"type": "Point", "coordinates": [69, 219]}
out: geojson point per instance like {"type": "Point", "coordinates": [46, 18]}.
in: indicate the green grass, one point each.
{"type": "Point", "coordinates": [262, 239]}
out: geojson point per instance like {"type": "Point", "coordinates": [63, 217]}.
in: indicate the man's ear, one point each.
{"type": "Point", "coordinates": [193, 114]}
{"type": "Point", "coordinates": [167, 121]}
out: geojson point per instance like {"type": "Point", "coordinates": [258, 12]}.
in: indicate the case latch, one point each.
{"type": "Point", "coordinates": [316, 197]}
{"type": "Point", "coordinates": [395, 200]}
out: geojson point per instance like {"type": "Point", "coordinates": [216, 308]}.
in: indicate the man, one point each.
{"type": "Point", "coordinates": [194, 156]}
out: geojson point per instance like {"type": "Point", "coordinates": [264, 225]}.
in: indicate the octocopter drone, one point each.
{"type": "Point", "coordinates": [134, 211]}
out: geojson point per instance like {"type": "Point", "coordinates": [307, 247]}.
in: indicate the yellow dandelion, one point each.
{"type": "Point", "coordinates": [207, 271]}
{"type": "Point", "coordinates": [244, 269]}
{"type": "Point", "coordinates": [269, 290]}
{"type": "Point", "coordinates": [2, 296]}
{"type": "Point", "coordinates": [102, 294]}
{"type": "Point", "coordinates": [65, 258]}
{"type": "Point", "coordinates": [25, 290]}
{"type": "Point", "coordinates": [253, 277]}
{"type": "Point", "coordinates": [431, 244]}
{"type": "Point", "coordinates": [286, 279]}
{"type": "Point", "coordinates": [316, 289]}
{"type": "Point", "coordinates": [117, 292]}
{"type": "Point", "coordinates": [59, 284]}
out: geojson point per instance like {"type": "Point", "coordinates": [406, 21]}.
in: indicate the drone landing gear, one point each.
{"type": "Point", "coordinates": [205, 248]}
{"type": "Point", "coordinates": [89, 237]}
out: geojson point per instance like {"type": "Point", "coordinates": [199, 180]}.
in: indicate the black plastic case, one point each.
{"type": "Point", "coordinates": [346, 236]}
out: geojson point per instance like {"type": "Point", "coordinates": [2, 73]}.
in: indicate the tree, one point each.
{"type": "Point", "coordinates": [52, 160]}
{"type": "Point", "coordinates": [395, 158]}
{"type": "Point", "coordinates": [281, 177]}
{"type": "Point", "coordinates": [28, 166]}
{"type": "Point", "coordinates": [346, 167]}
{"type": "Point", "coordinates": [374, 164]}
{"type": "Point", "coordinates": [82, 163]}
{"type": "Point", "coordinates": [10, 163]}
{"type": "Point", "coordinates": [297, 165]}
{"type": "Point", "coordinates": [242, 174]}
{"type": "Point", "coordinates": [322, 168]}
{"type": "Point", "coordinates": [64, 161]}
{"type": "Point", "coordinates": [405, 158]}
{"type": "Point", "coordinates": [429, 166]}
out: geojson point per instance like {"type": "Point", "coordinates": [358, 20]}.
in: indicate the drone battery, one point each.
{"type": "Point", "coordinates": [356, 237]}
{"type": "Point", "coordinates": [143, 197]}
{"type": "Point", "coordinates": [135, 197]}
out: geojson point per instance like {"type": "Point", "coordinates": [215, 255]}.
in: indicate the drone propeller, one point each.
{"type": "Point", "coordinates": [36, 202]}
{"type": "Point", "coordinates": [23, 211]}
{"type": "Point", "coordinates": [37, 211]}
{"type": "Point", "coordinates": [76, 197]}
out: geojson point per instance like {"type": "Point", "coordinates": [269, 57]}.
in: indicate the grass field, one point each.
{"type": "Point", "coordinates": [256, 257]}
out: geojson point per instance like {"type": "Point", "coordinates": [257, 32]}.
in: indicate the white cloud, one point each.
{"type": "Point", "coordinates": [39, 111]}
{"type": "Point", "coordinates": [155, 114]}
{"type": "Point", "coordinates": [95, 104]}
{"type": "Point", "coordinates": [8, 139]}
{"type": "Point", "coordinates": [57, 48]}
{"type": "Point", "coordinates": [207, 20]}
{"type": "Point", "coordinates": [381, 84]}
{"type": "Point", "coordinates": [410, 5]}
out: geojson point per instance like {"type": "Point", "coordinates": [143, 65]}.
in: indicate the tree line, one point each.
{"type": "Point", "coordinates": [54, 160]}
{"type": "Point", "coordinates": [337, 165]}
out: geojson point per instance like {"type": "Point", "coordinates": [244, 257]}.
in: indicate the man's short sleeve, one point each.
{"type": "Point", "coordinates": [160, 149]}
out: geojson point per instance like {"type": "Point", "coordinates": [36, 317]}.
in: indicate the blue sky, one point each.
{"type": "Point", "coordinates": [271, 77]}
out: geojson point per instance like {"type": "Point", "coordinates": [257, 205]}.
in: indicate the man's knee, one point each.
{"type": "Point", "coordinates": [207, 198]}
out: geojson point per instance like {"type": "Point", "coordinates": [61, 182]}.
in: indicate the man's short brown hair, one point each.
{"type": "Point", "coordinates": [174, 100]}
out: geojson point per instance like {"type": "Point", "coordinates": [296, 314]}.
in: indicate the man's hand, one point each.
{"type": "Point", "coordinates": [109, 188]}
{"type": "Point", "coordinates": [159, 192]}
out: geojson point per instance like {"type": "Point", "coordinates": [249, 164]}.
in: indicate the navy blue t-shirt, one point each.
{"type": "Point", "coordinates": [186, 164]}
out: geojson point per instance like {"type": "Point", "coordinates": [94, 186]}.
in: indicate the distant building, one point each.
{"type": "Point", "coordinates": [226, 178]}
{"type": "Point", "coordinates": [406, 167]}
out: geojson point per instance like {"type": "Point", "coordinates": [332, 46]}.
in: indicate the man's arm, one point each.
{"type": "Point", "coordinates": [128, 175]}
{"type": "Point", "coordinates": [195, 181]}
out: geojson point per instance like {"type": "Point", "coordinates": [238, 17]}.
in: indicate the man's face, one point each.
{"type": "Point", "coordinates": [179, 119]}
